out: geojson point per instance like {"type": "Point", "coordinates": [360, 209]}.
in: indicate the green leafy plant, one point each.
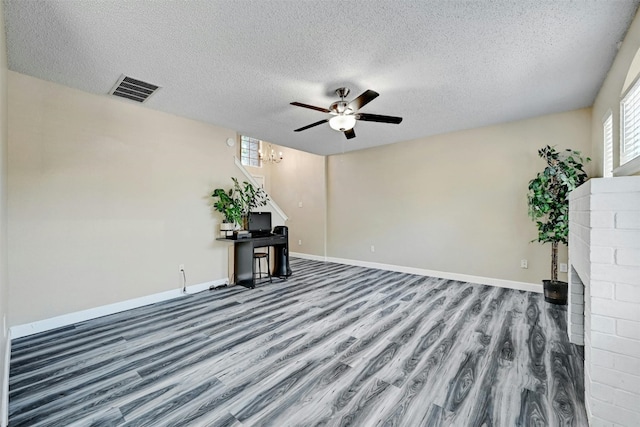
{"type": "Point", "coordinates": [248, 196]}
{"type": "Point", "coordinates": [227, 206]}
{"type": "Point", "coordinates": [547, 197]}
{"type": "Point", "coordinates": [236, 203]}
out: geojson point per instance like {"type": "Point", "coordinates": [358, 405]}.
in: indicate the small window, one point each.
{"type": "Point", "coordinates": [607, 136]}
{"type": "Point", "coordinates": [250, 151]}
{"type": "Point", "coordinates": [630, 125]}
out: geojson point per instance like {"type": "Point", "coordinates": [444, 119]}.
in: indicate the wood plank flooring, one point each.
{"type": "Point", "coordinates": [334, 345]}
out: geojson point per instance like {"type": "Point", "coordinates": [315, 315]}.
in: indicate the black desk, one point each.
{"type": "Point", "coordinates": [243, 257]}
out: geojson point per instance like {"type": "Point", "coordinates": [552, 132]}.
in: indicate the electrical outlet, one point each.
{"type": "Point", "coordinates": [524, 263]}
{"type": "Point", "coordinates": [181, 267]}
{"type": "Point", "coordinates": [373, 248]}
{"type": "Point", "coordinates": [563, 267]}
{"type": "Point", "coordinates": [299, 242]}
{"type": "Point", "coordinates": [299, 204]}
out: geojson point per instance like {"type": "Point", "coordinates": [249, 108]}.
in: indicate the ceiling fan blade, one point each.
{"type": "Point", "coordinates": [350, 133]}
{"type": "Point", "coordinates": [378, 118]}
{"type": "Point", "coordinates": [366, 97]}
{"type": "Point", "coordinates": [299, 104]}
{"type": "Point", "coordinates": [311, 125]}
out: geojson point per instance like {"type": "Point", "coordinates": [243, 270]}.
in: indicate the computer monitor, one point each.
{"type": "Point", "coordinates": [260, 222]}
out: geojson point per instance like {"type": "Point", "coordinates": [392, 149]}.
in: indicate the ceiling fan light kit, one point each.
{"type": "Point", "coordinates": [346, 113]}
{"type": "Point", "coordinates": [342, 122]}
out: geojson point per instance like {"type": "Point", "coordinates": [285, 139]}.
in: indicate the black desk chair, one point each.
{"type": "Point", "coordinates": [257, 259]}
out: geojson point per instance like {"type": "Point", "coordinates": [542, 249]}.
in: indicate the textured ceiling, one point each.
{"type": "Point", "coordinates": [442, 65]}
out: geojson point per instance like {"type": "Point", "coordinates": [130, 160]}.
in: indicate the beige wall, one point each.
{"type": "Point", "coordinates": [453, 203]}
{"type": "Point", "coordinates": [622, 73]}
{"type": "Point", "coordinates": [4, 286]}
{"type": "Point", "coordinates": [300, 178]}
{"type": "Point", "coordinates": [106, 199]}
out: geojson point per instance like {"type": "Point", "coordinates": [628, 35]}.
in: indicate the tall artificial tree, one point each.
{"type": "Point", "coordinates": [548, 197]}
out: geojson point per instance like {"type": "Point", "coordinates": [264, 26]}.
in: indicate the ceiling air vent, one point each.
{"type": "Point", "coordinates": [133, 89]}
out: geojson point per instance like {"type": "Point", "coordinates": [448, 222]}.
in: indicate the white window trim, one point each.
{"type": "Point", "coordinates": [258, 152]}
{"type": "Point", "coordinates": [629, 166]}
{"type": "Point", "coordinates": [632, 167]}
{"type": "Point", "coordinates": [607, 144]}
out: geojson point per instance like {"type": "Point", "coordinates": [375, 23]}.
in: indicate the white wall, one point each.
{"type": "Point", "coordinates": [605, 239]}
{"type": "Point", "coordinates": [605, 254]}
{"type": "Point", "coordinates": [106, 199]}
{"type": "Point", "coordinates": [453, 203]}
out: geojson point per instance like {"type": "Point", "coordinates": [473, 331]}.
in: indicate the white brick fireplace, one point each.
{"type": "Point", "coordinates": [604, 313]}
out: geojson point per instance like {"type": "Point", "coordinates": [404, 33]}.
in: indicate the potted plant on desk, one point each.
{"type": "Point", "coordinates": [236, 203]}
{"type": "Point", "coordinates": [549, 208]}
{"type": "Point", "coordinates": [249, 198]}
{"type": "Point", "coordinates": [229, 208]}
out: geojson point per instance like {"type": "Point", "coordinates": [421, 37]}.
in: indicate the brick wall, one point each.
{"type": "Point", "coordinates": [604, 255]}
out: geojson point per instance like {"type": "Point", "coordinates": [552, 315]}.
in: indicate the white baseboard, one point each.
{"type": "Point", "coordinates": [4, 405]}
{"type": "Point", "coordinates": [105, 310]}
{"type": "Point", "coordinates": [308, 256]}
{"type": "Point", "coordinates": [523, 286]}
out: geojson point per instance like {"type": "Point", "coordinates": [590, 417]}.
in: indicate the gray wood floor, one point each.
{"type": "Point", "coordinates": [334, 345]}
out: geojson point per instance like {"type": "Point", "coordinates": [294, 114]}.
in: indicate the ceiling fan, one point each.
{"type": "Point", "coordinates": [346, 113]}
